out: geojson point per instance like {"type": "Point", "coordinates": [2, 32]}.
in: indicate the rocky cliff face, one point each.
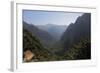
{"type": "Point", "coordinates": [77, 31]}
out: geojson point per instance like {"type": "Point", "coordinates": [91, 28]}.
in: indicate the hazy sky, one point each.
{"type": "Point", "coordinates": [48, 17]}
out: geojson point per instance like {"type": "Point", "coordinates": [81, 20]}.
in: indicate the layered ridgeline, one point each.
{"type": "Point", "coordinates": [53, 29]}
{"type": "Point", "coordinates": [77, 38]}
{"type": "Point", "coordinates": [33, 50]}
{"type": "Point", "coordinates": [45, 38]}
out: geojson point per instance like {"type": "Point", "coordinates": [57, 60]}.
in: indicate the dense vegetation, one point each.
{"type": "Point", "coordinates": [74, 44]}
{"type": "Point", "coordinates": [81, 50]}
{"type": "Point", "coordinates": [33, 44]}
{"type": "Point", "coordinates": [45, 38]}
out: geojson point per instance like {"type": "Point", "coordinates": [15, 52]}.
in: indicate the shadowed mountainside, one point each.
{"type": "Point", "coordinates": [77, 31]}
{"type": "Point", "coordinates": [32, 46]}
{"type": "Point", "coordinates": [76, 40]}
{"type": "Point", "coordinates": [45, 38]}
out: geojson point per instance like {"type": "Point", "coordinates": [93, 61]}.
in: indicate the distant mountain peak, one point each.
{"type": "Point", "coordinates": [50, 24]}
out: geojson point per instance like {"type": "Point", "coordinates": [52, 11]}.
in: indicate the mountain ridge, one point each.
{"type": "Point", "coordinates": [42, 35]}
{"type": "Point", "coordinates": [77, 31]}
{"type": "Point", "coordinates": [55, 30]}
